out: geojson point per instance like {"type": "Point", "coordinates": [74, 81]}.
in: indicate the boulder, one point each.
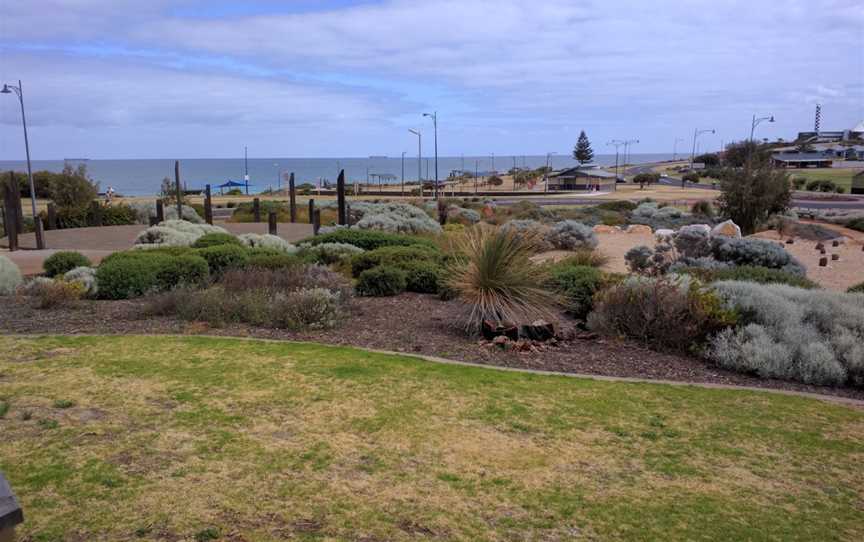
{"type": "Point", "coordinates": [727, 229]}
{"type": "Point", "coordinates": [639, 228]}
{"type": "Point", "coordinates": [491, 330]}
{"type": "Point", "coordinates": [603, 228]}
{"type": "Point", "coordinates": [539, 330]}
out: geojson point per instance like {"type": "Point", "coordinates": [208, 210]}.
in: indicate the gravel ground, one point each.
{"type": "Point", "coordinates": [410, 323]}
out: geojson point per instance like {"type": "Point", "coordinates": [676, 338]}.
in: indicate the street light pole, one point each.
{"type": "Point", "coordinates": [675, 148]}
{"type": "Point", "coordinates": [18, 90]}
{"type": "Point", "coordinates": [617, 143]}
{"type": "Point", "coordinates": [755, 122]}
{"type": "Point", "coordinates": [403, 173]}
{"type": "Point", "coordinates": [696, 133]}
{"type": "Point", "coordinates": [434, 116]}
{"type": "Point", "coordinates": [419, 158]}
{"type": "Point", "coordinates": [546, 171]}
{"type": "Point", "coordinates": [627, 149]}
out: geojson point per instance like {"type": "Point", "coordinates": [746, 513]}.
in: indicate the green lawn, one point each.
{"type": "Point", "coordinates": [839, 176]}
{"type": "Point", "coordinates": [141, 438]}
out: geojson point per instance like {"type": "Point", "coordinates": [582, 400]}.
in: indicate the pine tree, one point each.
{"type": "Point", "coordinates": [583, 152]}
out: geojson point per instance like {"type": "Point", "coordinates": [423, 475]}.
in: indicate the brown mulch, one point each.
{"type": "Point", "coordinates": [410, 323]}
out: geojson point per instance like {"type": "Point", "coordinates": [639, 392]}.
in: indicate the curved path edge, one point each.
{"type": "Point", "coordinates": [847, 401]}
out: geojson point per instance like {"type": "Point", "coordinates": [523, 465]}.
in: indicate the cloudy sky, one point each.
{"type": "Point", "coordinates": [303, 78]}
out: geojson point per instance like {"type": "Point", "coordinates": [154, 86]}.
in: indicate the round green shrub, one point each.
{"type": "Point", "coordinates": [368, 239]}
{"type": "Point", "coordinates": [577, 285]}
{"type": "Point", "coordinates": [857, 289]}
{"type": "Point", "coordinates": [222, 257]}
{"type": "Point", "coordinates": [129, 274]}
{"type": "Point", "coordinates": [182, 271]}
{"type": "Point", "coordinates": [63, 261]}
{"type": "Point", "coordinates": [383, 280]}
{"type": "Point", "coordinates": [398, 256]}
{"type": "Point", "coordinates": [215, 239]}
{"type": "Point", "coordinates": [273, 261]}
{"type": "Point", "coordinates": [423, 277]}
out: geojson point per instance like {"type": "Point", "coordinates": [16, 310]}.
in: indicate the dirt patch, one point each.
{"type": "Point", "coordinates": [411, 323]}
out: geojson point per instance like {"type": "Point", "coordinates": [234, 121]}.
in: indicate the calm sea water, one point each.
{"type": "Point", "coordinates": [144, 177]}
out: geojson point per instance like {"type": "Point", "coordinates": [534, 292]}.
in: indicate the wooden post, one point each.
{"type": "Point", "coordinates": [52, 216]}
{"type": "Point", "coordinates": [311, 209]}
{"type": "Point", "coordinates": [11, 212]}
{"type": "Point", "coordinates": [271, 222]}
{"type": "Point", "coordinates": [340, 198]}
{"type": "Point", "coordinates": [179, 190]}
{"type": "Point", "coordinates": [153, 221]}
{"type": "Point", "coordinates": [160, 211]}
{"type": "Point", "coordinates": [14, 196]}
{"type": "Point", "coordinates": [40, 233]}
{"type": "Point", "coordinates": [256, 209]}
{"type": "Point", "coordinates": [292, 199]}
{"type": "Point", "coordinates": [208, 206]}
{"type": "Point", "coordinates": [316, 221]}
{"type": "Point", "coordinates": [97, 213]}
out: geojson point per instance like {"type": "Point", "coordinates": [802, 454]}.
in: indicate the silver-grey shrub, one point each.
{"type": "Point", "coordinates": [10, 276]}
{"type": "Point", "coordinates": [328, 253]}
{"type": "Point", "coordinates": [86, 276]}
{"type": "Point", "coordinates": [810, 336]}
{"type": "Point", "coordinates": [755, 252]}
{"type": "Point", "coordinates": [307, 308]}
{"type": "Point", "coordinates": [571, 235]}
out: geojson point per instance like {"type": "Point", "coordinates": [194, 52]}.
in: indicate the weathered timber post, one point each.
{"type": "Point", "coordinates": [340, 199]}
{"type": "Point", "coordinates": [52, 216]}
{"type": "Point", "coordinates": [160, 211]}
{"type": "Point", "coordinates": [271, 223]}
{"type": "Point", "coordinates": [311, 209]}
{"type": "Point", "coordinates": [316, 221]}
{"type": "Point", "coordinates": [256, 209]}
{"type": "Point", "coordinates": [40, 233]}
{"type": "Point", "coordinates": [292, 199]}
{"type": "Point", "coordinates": [10, 511]}
{"type": "Point", "coordinates": [97, 213]}
{"type": "Point", "coordinates": [153, 220]}
{"type": "Point", "coordinates": [10, 214]}
{"type": "Point", "coordinates": [208, 205]}
{"type": "Point", "coordinates": [13, 195]}
{"type": "Point", "coordinates": [179, 190]}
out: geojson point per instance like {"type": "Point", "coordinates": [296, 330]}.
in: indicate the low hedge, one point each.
{"type": "Point", "coordinates": [857, 289]}
{"type": "Point", "coordinates": [423, 277]}
{"type": "Point", "coordinates": [61, 262]}
{"type": "Point", "coordinates": [273, 261]}
{"type": "Point", "coordinates": [368, 239]}
{"type": "Point", "coordinates": [384, 280]}
{"type": "Point", "coordinates": [398, 256]}
{"type": "Point", "coordinates": [749, 273]}
{"type": "Point", "coordinates": [133, 273]}
{"type": "Point", "coordinates": [222, 257]}
{"type": "Point", "coordinates": [216, 239]}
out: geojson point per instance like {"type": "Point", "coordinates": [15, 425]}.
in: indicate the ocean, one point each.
{"type": "Point", "coordinates": [131, 177]}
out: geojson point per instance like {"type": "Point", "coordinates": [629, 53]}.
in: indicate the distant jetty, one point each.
{"type": "Point", "coordinates": [377, 157]}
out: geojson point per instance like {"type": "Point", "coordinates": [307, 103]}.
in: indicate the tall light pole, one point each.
{"type": "Point", "coordinates": [419, 158]}
{"type": "Point", "coordinates": [476, 171]}
{"type": "Point", "coordinates": [696, 133]}
{"type": "Point", "coordinates": [7, 89]}
{"type": "Point", "coordinates": [627, 144]}
{"type": "Point", "coordinates": [617, 143]}
{"type": "Point", "coordinates": [755, 122]}
{"type": "Point", "coordinates": [434, 117]}
{"type": "Point", "coordinates": [403, 173]}
{"type": "Point", "coordinates": [675, 148]}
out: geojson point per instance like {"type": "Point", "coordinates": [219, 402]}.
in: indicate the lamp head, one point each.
{"type": "Point", "coordinates": [771, 118]}
{"type": "Point", "coordinates": [5, 90]}
{"type": "Point", "coordinates": [426, 115]}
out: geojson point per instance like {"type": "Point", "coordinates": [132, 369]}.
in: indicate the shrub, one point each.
{"type": "Point", "coordinates": [307, 308]}
{"type": "Point", "coordinates": [748, 273]}
{"type": "Point", "coordinates": [396, 256]}
{"type": "Point", "coordinates": [755, 252]}
{"type": "Point", "coordinates": [73, 188]}
{"type": "Point", "coordinates": [577, 285]}
{"type": "Point", "coordinates": [63, 261]}
{"type": "Point", "coordinates": [693, 242]}
{"type": "Point", "coordinates": [571, 235]}
{"type": "Point", "coordinates": [590, 258]}
{"type": "Point", "coordinates": [144, 211]}
{"type": "Point", "coordinates": [669, 312]}
{"type": "Point", "coordinates": [811, 336]}
{"type": "Point", "coordinates": [461, 215]}
{"type": "Point", "coordinates": [493, 273]}
{"type": "Point", "coordinates": [128, 274]}
{"type": "Point", "coordinates": [422, 277]}
{"type": "Point", "coordinates": [857, 289]}
{"type": "Point", "coordinates": [285, 279]}
{"type": "Point", "coordinates": [274, 242]}
{"type": "Point", "coordinates": [749, 196]}
{"type": "Point", "coordinates": [57, 293]}
{"type": "Point", "coordinates": [856, 224]}
{"type": "Point", "coordinates": [10, 276]}
{"type": "Point", "coordinates": [383, 280]}
{"type": "Point", "coordinates": [86, 277]}
{"type": "Point", "coordinates": [393, 218]}
{"type": "Point", "coordinates": [160, 236]}
{"type": "Point", "coordinates": [648, 261]}
{"type": "Point", "coordinates": [703, 208]}
{"type": "Point", "coordinates": [620, 206]}
{"type": "Point", "coordinates": [367, 240]}
{"type": "Point", "coordinates": [222, 257]}
{"type": "Point", "coordinates": [213, 239]}
{"type": "Point", "coordinates": [190, 271]}
{"type": "Point", "coordinates": [330, 253]}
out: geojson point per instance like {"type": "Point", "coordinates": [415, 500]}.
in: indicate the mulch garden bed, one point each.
{"type": "Point", "coordinates": [410, 323]}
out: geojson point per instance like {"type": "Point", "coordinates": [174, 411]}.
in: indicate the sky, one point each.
{"type": "Point", "coordinates": [330, 78]}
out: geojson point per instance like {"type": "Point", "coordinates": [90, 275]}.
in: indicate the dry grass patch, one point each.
{"type": "Point", "coordinates": [184, 438]}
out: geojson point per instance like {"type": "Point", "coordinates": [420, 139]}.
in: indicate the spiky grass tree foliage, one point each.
{"type": "Point", "coordinates": [493, 274]}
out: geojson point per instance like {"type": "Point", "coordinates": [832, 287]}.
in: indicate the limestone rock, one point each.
{"type": "Point", "coordinates": [727, 229]}
{"type": "Point", "coordinates": [639, 228]}
{"type": "Point", "coordinates": [603, 228]}
{"type": "Point", "coordinates": [699, 228]}
{"type": "Point", "coordinates": [664, 234]}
